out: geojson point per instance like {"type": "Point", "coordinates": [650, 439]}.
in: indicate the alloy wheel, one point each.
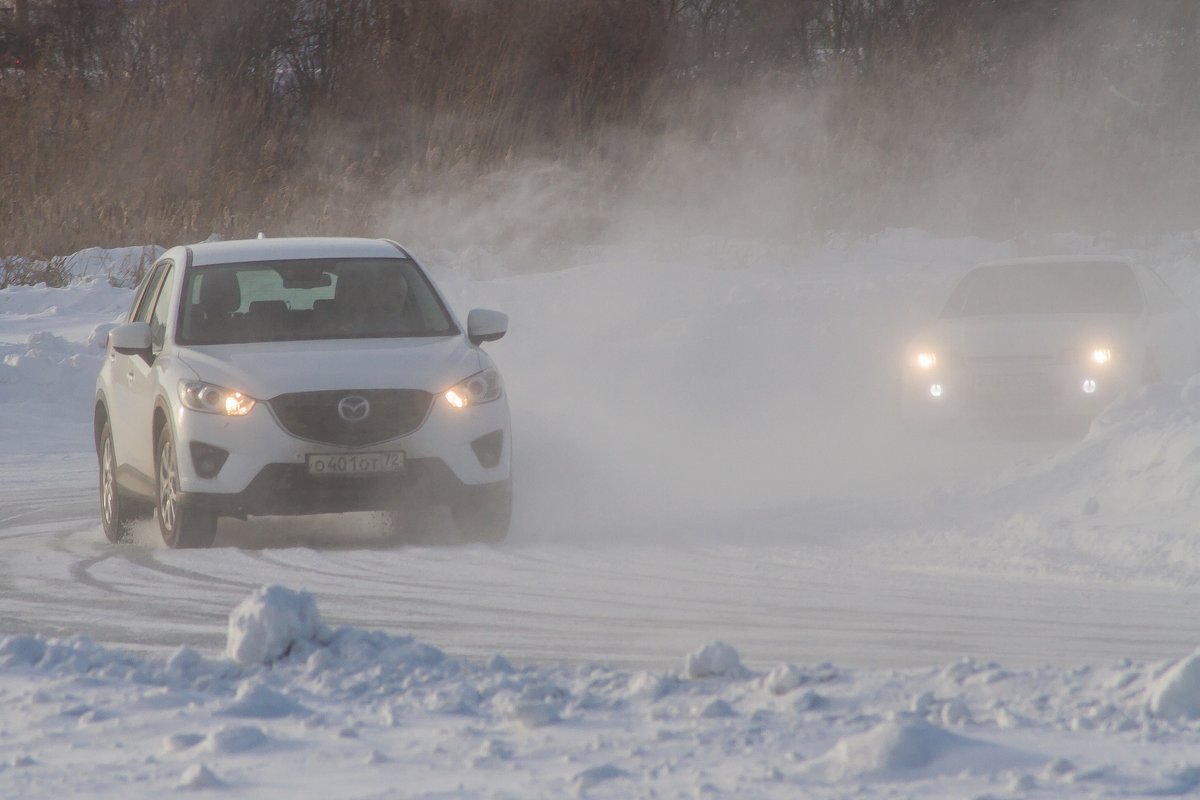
{"type": "Point", "coordinates": [108, 485]}
{"type": "Point", "coordinates": [168, 487]}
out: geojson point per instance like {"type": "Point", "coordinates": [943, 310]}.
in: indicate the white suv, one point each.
{"type": "Point", "coordinates": [299, 376]}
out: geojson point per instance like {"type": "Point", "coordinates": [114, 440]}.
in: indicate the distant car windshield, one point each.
{"type": "Point", "coordinates": [1101, 287]}
{"type": "Point", "coordinates": [310, 299]}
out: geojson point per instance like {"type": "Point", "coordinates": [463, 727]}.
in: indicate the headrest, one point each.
{"type": "Point", "coordinates": [371, 289]}
{"type": "Point", "coordinates": [219, 292]}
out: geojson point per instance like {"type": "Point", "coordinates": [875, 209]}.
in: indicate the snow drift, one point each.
{"type": "Point", "coordinates": [343, 708]}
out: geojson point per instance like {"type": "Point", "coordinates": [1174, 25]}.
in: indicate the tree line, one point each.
{"type": "Point", "coordinates": [127, 121]}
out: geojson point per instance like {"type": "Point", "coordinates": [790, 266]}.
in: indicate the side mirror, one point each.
{"type": "Point", "coordinates": [131, 338]}
{"type": "Point", "coordinates": [484, 325]}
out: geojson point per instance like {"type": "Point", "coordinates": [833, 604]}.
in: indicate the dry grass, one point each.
{"type": "Point", "coordinates": [170, 121]}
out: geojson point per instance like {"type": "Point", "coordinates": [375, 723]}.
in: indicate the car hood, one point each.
{"type": "Point", "coordinates": [267, 369]}
{"type": "Point", "coordinates": [1028, 335]}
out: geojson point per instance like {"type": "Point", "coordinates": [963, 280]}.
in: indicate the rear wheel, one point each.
{"type": "Point", "coordinates": [181, 527]}
{"type": "Point", "coordinates": [117, 513]}
{"type": "Point", "coordinates": [483, 513]}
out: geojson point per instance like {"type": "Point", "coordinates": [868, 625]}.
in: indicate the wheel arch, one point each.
{"type": "Point", "coordinates": [158, 424]}
{"type": "Point", "coordinates": [99, 420]}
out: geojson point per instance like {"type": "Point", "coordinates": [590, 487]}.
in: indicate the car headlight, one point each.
{"type": "Point", "coordinates": [1100, 356]}
{"type": "Point", "coordinates": [927, 360]}
{"type": "Point", "coordinates": [482, 387]}
{"type": "Point", "coordinates": [212, 399]}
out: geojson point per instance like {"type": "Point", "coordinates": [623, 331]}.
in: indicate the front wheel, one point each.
{"type": "Point", "coordinates": [181, 527]}
{"type": "Point", "coordinates": [483, 513]}
{"type": "Point", "coordinates": [117, 513]}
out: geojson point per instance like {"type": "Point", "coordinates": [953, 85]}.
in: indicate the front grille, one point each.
{"type": "Point", "coordinates": [314, 415]}
{"type": "Point", "coordinates": [1015, 361]}
{"type": "Point", "coordinates": [1011, 391]}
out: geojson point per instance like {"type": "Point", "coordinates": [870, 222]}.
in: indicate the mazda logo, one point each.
{"type": "Point", "coordinates": [354, 408]}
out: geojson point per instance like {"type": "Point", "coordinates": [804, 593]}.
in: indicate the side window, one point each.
{"type": "Point", "coordinates": [141, 306]}
{"type": "Point", "coordinates": [162, 308]}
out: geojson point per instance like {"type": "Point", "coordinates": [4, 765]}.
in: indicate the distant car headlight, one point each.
{"type": "Point", "coordinates": [482, 387]}
{"type": "Point", "coordinates": [213, 399]}
{"type": "Point", "coordinates": [927, 360]}
{"type": "Point", "coordinates": [1101, 356]}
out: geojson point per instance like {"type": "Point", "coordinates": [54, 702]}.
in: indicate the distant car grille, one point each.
{"type": "Point", "coordinates": [1008, 390]}
{"type": "Point", "coordinates": [314, 415]}
{"type": "Point", "coordinates": [1025, 360]}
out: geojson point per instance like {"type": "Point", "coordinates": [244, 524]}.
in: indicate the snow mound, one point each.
{"type": "Point", "coordinates": [1142, 453]}
{"type": "Point", "coordinates": [910, 748]}
{"type": "Point", "coordinates": [83, 298]}
{"type": "Point", "coordinates": [260, 702]}
{"type": "Point", "coordinates": [120, 266]}
{"type": "Point", "coordinates": [48, 368]}
{"type": "Point", "coordinates": [714, 660]}
{"type": "Point", "coordinates": [237, 739]}
{"type": "Point", "coordinates": [1176, 694]}
{"type": "Point", "coordinates": [596, 775]}
{"type": "Point", "coordinates": [266, 626]}
{"type": "Point", "coordinates": [198, 777]}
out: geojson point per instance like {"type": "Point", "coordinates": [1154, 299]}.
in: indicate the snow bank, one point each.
{"type": "Point", "coordinates": [272, 622]}
{"type": "Point", "coordinates": [52, 340]}
{"type": "Point", "coordinates": [48, 369]}
{"type": "Point", "coordinates": [119, 266]}
{"type": "Point", "coordinates": [910, 747]}
{"type": "Point", "coordinates": [1176, 694]}
{"type": "Point", "coordinates": [298, 710]}
{"type": "Point", "coordinates": [1143, 452]}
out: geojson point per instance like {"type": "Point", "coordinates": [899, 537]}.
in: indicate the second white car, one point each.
{"type": "Point", "coordinates": [1047, 339]}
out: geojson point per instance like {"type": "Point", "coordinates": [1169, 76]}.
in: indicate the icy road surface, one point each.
{"type": "Point", "coordinates": [627, 604]}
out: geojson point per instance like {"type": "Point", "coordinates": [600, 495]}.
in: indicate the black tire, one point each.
{"type": "Point", "coordinates": [181, 527]}
{"type": "Point", "coordinates": [409, 524]}
{"type": "Point", "coordinates": [117, 513]}
{"type": "Point", "coordinates": [484, 514]}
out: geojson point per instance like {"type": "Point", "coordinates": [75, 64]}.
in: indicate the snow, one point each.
{"type": "Point", "coordinates": [267, 625]}
{"type": "Point", "coordinates": [1176, 695]}
{"type": "Point", "coordinates": [716, 659]}
{"type": "Point", "coordinates": [731, 574]}
{"type": "Point", "coordinates": [353, 712]}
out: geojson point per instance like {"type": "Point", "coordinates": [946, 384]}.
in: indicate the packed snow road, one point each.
{"type": "Point", "coordinates": [779, 587]}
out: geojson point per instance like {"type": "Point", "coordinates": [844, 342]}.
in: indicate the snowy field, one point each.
{"type": "Point", "coordinates": [732, 572]}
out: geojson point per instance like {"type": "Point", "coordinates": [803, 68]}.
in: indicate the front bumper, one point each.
{"type": "Point", "coordinates": [288, 489]}
{"type": "Point", "coordinates": [1010, 393]}
{"type": "Point", "coordinates": [262, 454]}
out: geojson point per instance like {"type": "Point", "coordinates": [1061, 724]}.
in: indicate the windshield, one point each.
{"type": "Point", "coordinates": [1068, 288]}
{"type": "Point", "coordinates": [310, 299]}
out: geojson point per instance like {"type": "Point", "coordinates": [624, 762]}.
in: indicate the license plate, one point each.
{"type": "Point", "coordinates": [355, 463]}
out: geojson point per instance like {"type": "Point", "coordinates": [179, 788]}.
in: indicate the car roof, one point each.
{"type": "Point", "coordinates": [1049, 260]}
{"type": "Point", "coordinates": [290, 248]}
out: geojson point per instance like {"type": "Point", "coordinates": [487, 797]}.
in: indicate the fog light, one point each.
{"type": "Point", "coordinates": [488, 448]}
{"type": "Point", "coordinates": [207, 459]}
{"type": "Point", "coordinates": [1089, 386]}
{"type": "Point", "coordinates": [935, 390]}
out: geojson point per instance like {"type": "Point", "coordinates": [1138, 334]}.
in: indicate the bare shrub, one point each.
{"type": "Point", "coordinates": [172, 120]}
{"type": "Point", "coordinates": [15, 271]}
